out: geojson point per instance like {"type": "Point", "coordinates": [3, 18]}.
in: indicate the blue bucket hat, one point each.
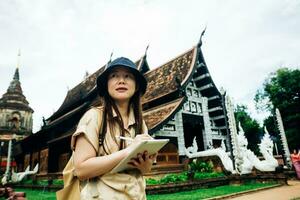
{"type": "Point", "coordinates": [128, 64]}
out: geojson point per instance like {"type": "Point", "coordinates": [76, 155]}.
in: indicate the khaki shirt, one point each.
{"type": "Point", "coordinates": [125, 185]}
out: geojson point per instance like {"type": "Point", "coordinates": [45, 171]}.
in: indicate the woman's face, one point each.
{"type": "Point", "coordinates": [121, 84]}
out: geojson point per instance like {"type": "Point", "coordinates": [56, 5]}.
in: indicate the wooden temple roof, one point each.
{"type": "Point", "coordinates": [163, 80]}
{"type": "Point", "coordinates": [77, 94]}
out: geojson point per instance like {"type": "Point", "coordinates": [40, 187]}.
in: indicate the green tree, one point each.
{"type": "Point", "coordinates": [250, 126]}
{"type": "Point", "coordinates": [282, 90]}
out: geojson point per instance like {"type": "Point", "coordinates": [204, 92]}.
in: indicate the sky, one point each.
{"type": "Point", "coordinates": [61, 40]}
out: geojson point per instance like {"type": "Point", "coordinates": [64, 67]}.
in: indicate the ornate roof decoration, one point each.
{"type": "Point", "coordinates": [142, 64]}
{"type": "Point", "coordinates": [165, 79]}
{"type": "Point", "coordinates": [14, 98]}
{"type": "Point", "coordinates": [155, 117]}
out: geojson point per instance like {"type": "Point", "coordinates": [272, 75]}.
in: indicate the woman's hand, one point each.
{"type": "Point", "coordinates": [135, 142]}
{"type": "Point", "coordinates": [143, 162]}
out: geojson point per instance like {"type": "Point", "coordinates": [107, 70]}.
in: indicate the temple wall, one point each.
{"type": "Point", "coordinates": [44, 154]}
{"type": "Point", "coordinates": [34, 160]}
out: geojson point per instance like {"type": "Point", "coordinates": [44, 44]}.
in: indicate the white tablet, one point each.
{"type": "Point", "coordinates": [151, 146]}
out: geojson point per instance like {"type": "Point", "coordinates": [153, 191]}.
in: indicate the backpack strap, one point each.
{"type": "Point", "coordinates": [102, 129]}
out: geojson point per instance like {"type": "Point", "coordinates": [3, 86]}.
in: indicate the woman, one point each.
{"type": "Point", "coordinates": [296, 162]}
{"type": "Point", "coordinates": [121, 86]}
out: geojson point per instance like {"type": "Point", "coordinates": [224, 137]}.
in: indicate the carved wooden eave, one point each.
{"type": "Point", "coordinates": [156, 117]}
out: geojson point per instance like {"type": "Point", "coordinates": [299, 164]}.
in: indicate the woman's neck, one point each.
{"type": "Point", "coordinates": [123, 109]}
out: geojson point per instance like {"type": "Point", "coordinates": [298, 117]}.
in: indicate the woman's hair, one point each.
{"type": "Point", "coordinates": [109, 106]}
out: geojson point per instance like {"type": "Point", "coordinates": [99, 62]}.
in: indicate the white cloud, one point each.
{"type": "Point", "coordinates": [60, 40]}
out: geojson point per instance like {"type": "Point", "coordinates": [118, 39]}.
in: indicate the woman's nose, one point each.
{"type": "Point", "coordinates": [121, 79]}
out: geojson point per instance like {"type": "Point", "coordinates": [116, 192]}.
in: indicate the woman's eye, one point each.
{"type": "Point", "coordinates": [129, 76]}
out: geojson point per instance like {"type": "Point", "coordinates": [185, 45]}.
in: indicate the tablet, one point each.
{"type": "Point", "coordinates": [152, 146]}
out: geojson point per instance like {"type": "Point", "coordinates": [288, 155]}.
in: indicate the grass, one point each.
{"type": "Point", "coordinates": [183, 177]}
{"type": "Point", "coordinates": [37, 194]}
{"type": "Point", "coordinates": [208, 193]}
{"type": "Point", "coordinates": [188, 195]}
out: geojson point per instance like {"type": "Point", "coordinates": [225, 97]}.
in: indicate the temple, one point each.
{"type": "Point", "coordinates": [181, 103]}
{"type": "Point", "coordinates": [15, 117]}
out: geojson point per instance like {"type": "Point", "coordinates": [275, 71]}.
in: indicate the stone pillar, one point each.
{"type": "Point", "coordinates": [180, 133]}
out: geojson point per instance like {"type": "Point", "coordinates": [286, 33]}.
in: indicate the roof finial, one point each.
{"type": "Point", "coordinates": [146, 49]}
{"type": "Point", "coordinates": [112, 53]}
{"type": "Point", "coordinates": [19, 58]}
{"type": "Point", "coordinates": [109, 61]}
{"type": "Point", "coordinates": [86, 75]}
{"type": "Point", "coordinates": [200, 40]}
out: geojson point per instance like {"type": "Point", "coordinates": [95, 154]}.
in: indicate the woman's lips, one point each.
{"type": "Point", "coordinates": [122, 89]}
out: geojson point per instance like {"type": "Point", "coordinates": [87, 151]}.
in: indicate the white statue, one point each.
{"type": "Point", "coordinates": [15, 177]}
{"type": "Point", "coordinates": [246, 165]}
{"type": "Point", "coordinates": [18, 177]}
{"type": "Point", "coordinates": [220, 152]}
{"type": "Point", "coordinates": [266, 149]}
{"type": "Point", "coordinates": [194, 147]}
{"type": "Point", "coordinates": [250, 160]}
{"type": "Point", "coordinates": [244, 158]}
